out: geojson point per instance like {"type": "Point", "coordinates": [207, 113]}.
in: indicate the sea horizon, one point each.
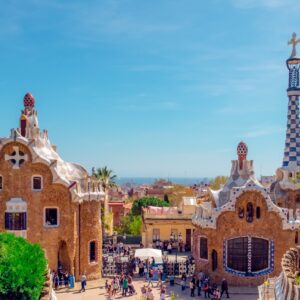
{"type": "Point", "coordinates": [150, 180]}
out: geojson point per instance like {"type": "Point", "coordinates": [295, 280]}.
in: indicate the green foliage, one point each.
{"type": "Point", "coordinates": [145, 202]}
{"type": "Point", "coordinates": [22, 268]}
{"type": "Point", "coordinates": [130, 225]}
{"type": "Point", "coordinates": [106, 177]}
{"type": "Point", "coordinates": [135, 226]}
{"type": "Point", "coordinates": [215, 184]}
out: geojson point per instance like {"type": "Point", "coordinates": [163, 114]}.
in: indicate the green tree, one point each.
{"type": "Point", "coordinates": [130, 225]}
{"type": "Point", "coordinates": [135, 226]}
{"type": "Point", "coordinates": [145, 202]}
{"type": "Point", "coordinates": [217, 182]}
{"type": "Point", "coordinates": [23, 268]}
{"type": "Point", "coordinates": [107, 180]}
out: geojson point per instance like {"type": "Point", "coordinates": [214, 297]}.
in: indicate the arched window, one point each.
{"type": "Point", "coordinates": [248, 255]}
{"type": "Point", "coordinates": [298, 199]}
{"type": "Point", "coordinates": [296, 237]}
{"type": "Point", "coordinates": [1, 183]}
{"type": "Point", "coordinates": [93, 251]}
{"type": "Point", "coordinates": [257, 212]}
{"type": "Point", "coordinates": [249, 215]}
{"type": "Point", "coordinates": [241, 212]}
{"type": "Point", "coordinates": [214, 260]}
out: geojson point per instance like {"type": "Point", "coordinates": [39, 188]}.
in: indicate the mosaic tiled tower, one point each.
{"type": "Point", "coordinates": [291, 160]}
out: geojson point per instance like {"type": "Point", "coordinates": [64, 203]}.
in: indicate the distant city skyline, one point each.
{"type": "Point", "coordinates": [152, 89]}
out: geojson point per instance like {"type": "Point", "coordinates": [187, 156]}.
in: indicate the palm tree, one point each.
{"type": "Point", "coordinates": [107, 181]}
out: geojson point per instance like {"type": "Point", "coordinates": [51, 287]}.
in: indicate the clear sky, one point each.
{"type": "Point", "coordinates": [151, 88]}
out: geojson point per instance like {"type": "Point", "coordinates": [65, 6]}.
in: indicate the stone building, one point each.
{"type": "Point", "coordinates": [168, 223]}
{"type": "Point", "coordinates": [48, 200]}
{"type": "Point", "coordinates": [244, 229]}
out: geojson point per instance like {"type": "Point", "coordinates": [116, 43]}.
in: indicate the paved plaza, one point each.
{"type": "Point", "coordinates": [95, 290]}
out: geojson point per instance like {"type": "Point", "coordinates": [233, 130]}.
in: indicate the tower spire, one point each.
{"type": "Point", "coordinates": [291, 158]}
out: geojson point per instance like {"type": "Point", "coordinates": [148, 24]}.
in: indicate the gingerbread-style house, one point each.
{"type": "Point", "coordinates": [241, 234]}
{"type": "Point", "coordinates": [48, 200]}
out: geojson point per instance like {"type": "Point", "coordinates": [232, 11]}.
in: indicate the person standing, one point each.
{"type": "Point", "coordinates": [224, 287]}
{"type": "Point", "coordinates": [206, 289]}
{"type": "Point", "coordinates": [125, 286]}
{"type": "Point", "coordinates": [192, 287]}
{"type": "Point", "coordinates": [162, 293]}
{"type": "Point", "coordinates": [150, 277]}
{"type": "Point", "coordinates": [216, 294]}
{"type": "Point", "coordinates": [199, 286]}
{"type": "Point", "coordinates": [83, 283]}
{"type": "Point", "coordinates": [183, 282]}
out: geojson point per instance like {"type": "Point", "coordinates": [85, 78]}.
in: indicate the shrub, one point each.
{"type": "Point", "coordinates": [22, 268]}
{"type": "Point", "coordinates": [145, 202]}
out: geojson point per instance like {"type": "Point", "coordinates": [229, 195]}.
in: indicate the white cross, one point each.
{"type": "Point", "coordinates": [17, 157]}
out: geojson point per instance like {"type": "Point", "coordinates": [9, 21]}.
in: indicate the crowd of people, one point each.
{"type": "Point", "coordinates": [61, 278]}
{"type": "Point", "coordinates": [174, 243]}
{"type": "Point", "coordinates": [118, 248]}
{"type": "Point", "coordinates": [122, 284]}
{"type": "Point", "coordinates": [202, 285]}
{"type": "Point", "coordinates": [198, 285]}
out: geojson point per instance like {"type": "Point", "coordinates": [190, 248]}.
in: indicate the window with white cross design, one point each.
{"type": "Point", "coordinates": [16, 158]}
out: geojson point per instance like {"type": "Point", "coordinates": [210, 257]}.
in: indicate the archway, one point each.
{"type": "Point", "coordinates": [63, 259]}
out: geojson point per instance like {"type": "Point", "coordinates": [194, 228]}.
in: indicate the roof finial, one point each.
{"type": "Point", "coordinates": [242, 151]}
{"type": "Point", "coordinates": [294, 42]}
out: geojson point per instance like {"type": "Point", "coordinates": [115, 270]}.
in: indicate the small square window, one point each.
{"type": "Point", "coordinates": [37, 183]}
{"type": "Point", "coordinates": [1, 183]}
{"type": "Point", "coordinates": [51, 217]}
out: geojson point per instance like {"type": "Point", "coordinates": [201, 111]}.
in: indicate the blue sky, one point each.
{"type": "Point", "coordinates": [151, 88]}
